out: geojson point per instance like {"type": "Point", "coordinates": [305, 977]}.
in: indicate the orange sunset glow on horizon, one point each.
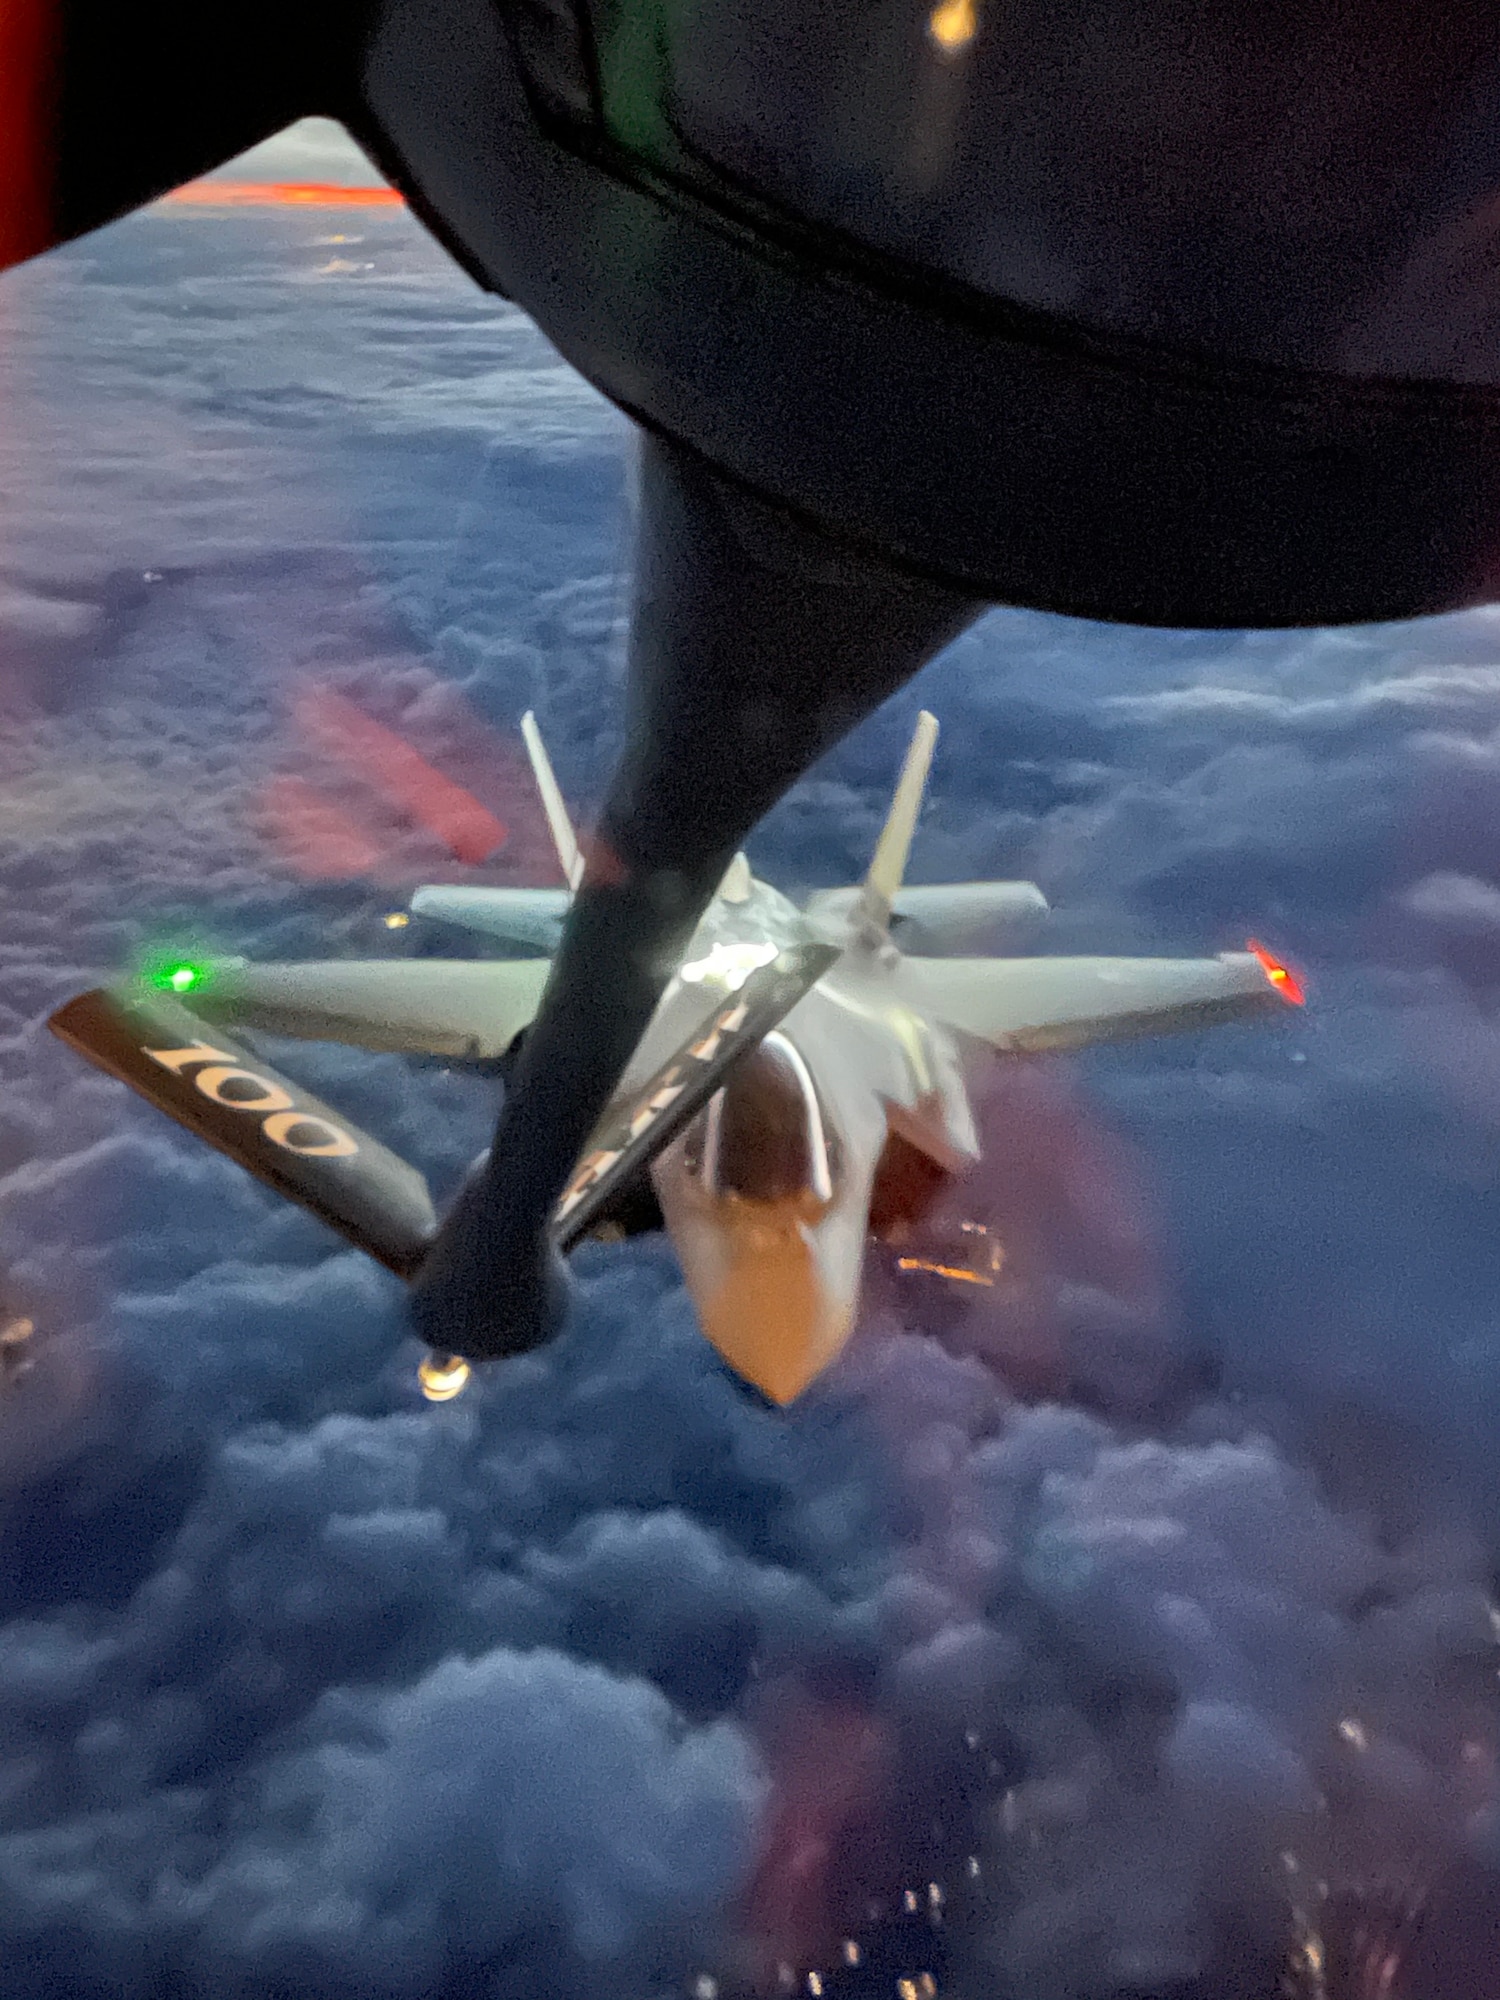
{"type": "Point", "coordinates": [294, 194]}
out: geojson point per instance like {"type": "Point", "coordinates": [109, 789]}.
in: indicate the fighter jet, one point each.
{"type": "Point", "coordinates": [1175, 316]}
{"type": "Point", "coordinates": [761, 1147]}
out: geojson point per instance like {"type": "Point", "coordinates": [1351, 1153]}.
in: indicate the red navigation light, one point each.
{"type": "Point", "coordinates": [1282, 977]}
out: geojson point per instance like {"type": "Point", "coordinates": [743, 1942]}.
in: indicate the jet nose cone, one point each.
{"type": "Point", "coordinates": [765, 1304]}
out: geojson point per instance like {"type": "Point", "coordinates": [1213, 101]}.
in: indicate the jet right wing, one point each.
{"type": "Point", "coordinates": [1024, 1005]}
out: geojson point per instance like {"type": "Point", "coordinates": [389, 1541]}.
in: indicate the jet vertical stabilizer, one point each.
{"type": "Point", "coordinates": [563, 837]}
{"type": "Point", "coordinates": [738, 881]}
{"type": "Point", "coordinates": [871, 916]}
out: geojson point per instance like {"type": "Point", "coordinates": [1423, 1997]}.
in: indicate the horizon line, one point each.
{"type": "Point", "coordinates": [293, 194]}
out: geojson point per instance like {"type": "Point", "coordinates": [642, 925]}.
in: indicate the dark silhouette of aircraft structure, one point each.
{"type": "Point", "coordinates": [1175, 316]}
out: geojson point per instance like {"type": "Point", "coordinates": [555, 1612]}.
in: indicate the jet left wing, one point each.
{"type": "Point", "coordinates": [1027, 1005]}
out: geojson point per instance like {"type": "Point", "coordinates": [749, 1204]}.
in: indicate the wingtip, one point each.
{"type": "Point", "coordinates": [1279, 975]}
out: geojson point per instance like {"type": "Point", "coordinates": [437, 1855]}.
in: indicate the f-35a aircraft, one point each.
{"type": "Point", "coordinates": [800, 1067]}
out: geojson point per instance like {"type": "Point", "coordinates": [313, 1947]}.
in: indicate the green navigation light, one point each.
{"type": "Point", "coordinates": [182, 978]}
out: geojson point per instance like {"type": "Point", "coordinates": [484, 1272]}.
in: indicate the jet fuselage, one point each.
{"type": "Point", "coordinates": [767, 1194]}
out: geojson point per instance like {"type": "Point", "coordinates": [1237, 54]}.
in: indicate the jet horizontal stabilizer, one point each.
{"type": "Point", "coordinates": [238, 1104]}
{"type": "Point", "coordinates": [941, 916]}
{"type": "Point", "coordinates": [635, 1130]}
{"type": "Point", "coordinates": [520, 916]}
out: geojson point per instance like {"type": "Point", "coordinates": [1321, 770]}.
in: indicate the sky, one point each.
{"type": "Point", "coordinates": [316, 150]}
{"type": "Point", "coordinates": [1125, 1606]}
